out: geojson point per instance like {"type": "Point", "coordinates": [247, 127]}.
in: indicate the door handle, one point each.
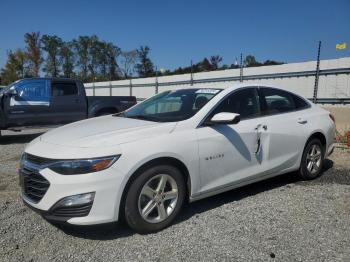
{"type": "Point", "coordinates": [302, 121]}
{"type": "Point", "coordinates": [260, 125]}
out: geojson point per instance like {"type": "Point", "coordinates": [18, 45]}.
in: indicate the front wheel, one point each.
{"type": "Point", "coordinates": [154, 199]}
{"type": "Point", "coordinates": [312, 160]}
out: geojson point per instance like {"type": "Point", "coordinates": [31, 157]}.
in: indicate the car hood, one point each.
{"type": "Point", "coordinates": [105, 131]}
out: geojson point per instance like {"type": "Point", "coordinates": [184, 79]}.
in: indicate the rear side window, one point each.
{"type": "Point", "coordinates": [277, 101]}
{"type": "Point", "coordinates": [64, 89]}
{"type": "Point", "coordinates": [300, 103]}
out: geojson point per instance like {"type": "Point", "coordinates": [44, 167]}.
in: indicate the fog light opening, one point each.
{"type": "Point", "coordinates": [76, 200]}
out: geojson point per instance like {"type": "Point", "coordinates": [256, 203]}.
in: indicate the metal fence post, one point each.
{"type": "Point", "coordinates": [314, 99]}
{"type": "Point", "coordinates": [110, 88]}
{"type": "Point", "coordinates": [130, 87]}
{"type": "Point", "coordinates": [93, 89]}
{"type": "Point", "coordinates": [156, 86]}
{"type": "Point", "coordinates": [241, 69]}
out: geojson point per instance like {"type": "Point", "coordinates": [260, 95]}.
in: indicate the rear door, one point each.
{"type": "Point", "coordinates": [284, 136]}
{"type": "Point", "coordinates": [68, 103]}
{"type": "Point", "coordinates": [31, 105]}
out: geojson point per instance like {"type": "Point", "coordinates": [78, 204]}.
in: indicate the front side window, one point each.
{"type": "Point", "coordinates": [31, 92]}
{"type": "Point", "coordinates": [64, 89]}
{"type": "Point", "coordinates": [172, 106]}
{"type": "Point", "coordinates": [277, 101]}
{"type": "Point", "coordinates": [244, 102]}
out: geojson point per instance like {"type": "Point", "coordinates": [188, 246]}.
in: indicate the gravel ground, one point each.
{"type": "Point", "coordinates": [280, 219]}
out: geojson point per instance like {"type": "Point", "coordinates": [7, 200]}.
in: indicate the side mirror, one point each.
{"type": "Point", "coordinates": [225, 118]}
{"type": "Point", "coordinates": [12, 92]}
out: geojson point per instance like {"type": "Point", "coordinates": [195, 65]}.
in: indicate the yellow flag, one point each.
{"type": "Point", "coordinates": [340, 46]}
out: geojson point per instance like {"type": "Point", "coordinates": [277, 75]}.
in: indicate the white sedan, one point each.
{"type": "Point", "coordinates": [183, 145]}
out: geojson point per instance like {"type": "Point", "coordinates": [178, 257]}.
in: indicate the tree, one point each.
{"type": "Point", "coordinates": [205, 65]}
{"type": "Point", "coordinates": [33, 52]}
{"type": "Point", "coordinates": [250, 61]}
{"type": "Point", "coordinates": [81, 47]}
{"type": "Point", "coordinates": [15, 67]}
{"type": "Point", "coordinates": [67, 59]}
{"type": "Point", "coordinates": [144, 67]}
{"type": "Point", "coordinates": [112, 52]}
{"type": "Point", "coordinates": [94, 52]}
{"type": "Point", "coordinates": [128, 60]}
{"type": "Point", "coordinates": [215, 61]}
{"type": "Point", "coordinates": [272, 62]}
{"type": "Point", "coordinates": [107, 54]}
{"type": "Point", "coordinates": [52, 45]}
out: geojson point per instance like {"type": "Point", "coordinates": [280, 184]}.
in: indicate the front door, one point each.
{"type": "Point", "coordinates": [31, 104]}
{"type": "Point", "coordinates": [231, 153]}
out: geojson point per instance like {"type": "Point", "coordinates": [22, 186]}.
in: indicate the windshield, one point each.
{"type": "Point", "coordinates": [172, 106]}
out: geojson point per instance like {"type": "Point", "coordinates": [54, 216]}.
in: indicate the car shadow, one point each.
{"type": "Point", "coordinates": [246, 191]}
{"type": "Point", "coordinates": [120, 230]}
{"type": "Point", "coordinates": [18, 138]}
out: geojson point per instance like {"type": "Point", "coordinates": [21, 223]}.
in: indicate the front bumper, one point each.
{"type": "Point", "coordinates": [106, 185]}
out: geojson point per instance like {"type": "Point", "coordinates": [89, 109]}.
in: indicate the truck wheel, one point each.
{"type": "Point", "coordinates": [312, 160]}
{"type": "Point", "coordinates": [154, 199]}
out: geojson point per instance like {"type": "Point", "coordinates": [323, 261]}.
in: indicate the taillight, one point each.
{"type": "Point", "coordinates": [332, 117]}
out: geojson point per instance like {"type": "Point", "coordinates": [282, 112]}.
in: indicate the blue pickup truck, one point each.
{"type": "Point", "coordinates": [37, 102]}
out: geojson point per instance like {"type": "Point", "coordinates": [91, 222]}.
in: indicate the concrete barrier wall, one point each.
{"type": "Point", "coordinates": [334, 80]}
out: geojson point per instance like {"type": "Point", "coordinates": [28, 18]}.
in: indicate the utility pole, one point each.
{"type": "Point", "coordinates": [156, 81]}
{"type": "Point", "coordinates": [317, 73]}
{"type": "Point", "coordinates": [241, 69]}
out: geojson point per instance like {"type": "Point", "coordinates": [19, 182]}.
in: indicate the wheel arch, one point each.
{"type": "Point", "coordinates": [151, 163]}
{"type": "Point", "coordinates": [320, 136]}
{"type": "Point", "coordinates": [111, 110]}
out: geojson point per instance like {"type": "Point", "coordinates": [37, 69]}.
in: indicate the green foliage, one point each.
{"type": "Point", "coordinates": [67, 59]}
{"type": "Point", "coordinates": [33, 52]}
{"type": "Point", "coordinates": [97, 60]}
{"type": "Point", "coordinates": [15, 67]}
{"type": "Point", "coordinates": [52, 45]}
{"type": "Point", "coordinates": [144, 67]}
{"type": "Point", "coordinates": [90, 59]}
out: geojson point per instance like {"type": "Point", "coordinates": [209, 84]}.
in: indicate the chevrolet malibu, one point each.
{"type": "Point", "coordinates": [143, 164]}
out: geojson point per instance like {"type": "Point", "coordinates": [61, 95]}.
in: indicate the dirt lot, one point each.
{"type": "Point", "coordinates": [280, 219]}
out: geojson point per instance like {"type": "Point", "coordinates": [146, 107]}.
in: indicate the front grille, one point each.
{"type": "Point", "coordinates": [72, 211]}
{"type": "Point", "coordinates": [34, 185]}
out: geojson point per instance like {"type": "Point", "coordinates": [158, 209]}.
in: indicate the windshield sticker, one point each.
{"type": "Point", "coordinates": [207, 91]}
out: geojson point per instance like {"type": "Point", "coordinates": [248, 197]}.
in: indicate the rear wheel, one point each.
{"type": "Point", "coordinates": [154, 199]}
{"type": "Point", "coordinates": [312, 160]}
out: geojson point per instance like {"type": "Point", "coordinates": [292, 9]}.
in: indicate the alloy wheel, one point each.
{"type": "Point", "coordinates": [158, 198]}
{"type": "Point", "coordinates": [314, 158]}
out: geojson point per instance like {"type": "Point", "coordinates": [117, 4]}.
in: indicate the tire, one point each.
{"type": "Point", "coordinates": [150, 206]}
{"type": "Point", "coordinates": [312, 160]}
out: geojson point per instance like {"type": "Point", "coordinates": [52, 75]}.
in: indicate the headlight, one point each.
{"type": "Point", "coordinates": [83, 166]}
